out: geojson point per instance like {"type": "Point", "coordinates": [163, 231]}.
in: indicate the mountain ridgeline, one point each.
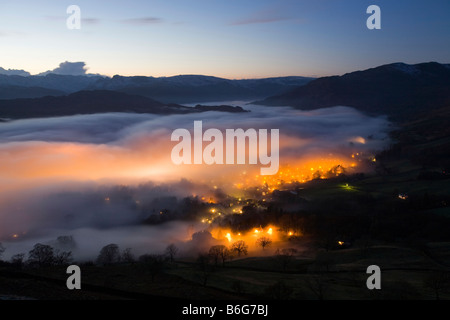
{"type": "Point", "coordinates": [177, 89]}
{"type": "Point", "coordinates": [398, 90]}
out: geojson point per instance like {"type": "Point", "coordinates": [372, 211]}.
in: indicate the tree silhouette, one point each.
{"type": "Point", "coordinates": [41, 255]}
{"type": "Point", "coordinates": [264, 242]}
{"type": "Point", "coordinates": [2, 249]}
{"type": "Point", "coordinates": [62, 258]}
{"type": "Point", "coordinates": [109, 254]}
{"type": "Point", "coordinates": [239, 247]}
{"type": "Point", "coordinates": [17, 260]}
{"type": "Point", "coordinates": [127, 256]}
{"type": "Point", "coordinates": [219, 252]}
{"type": "Point", "coordinates": [171, 251]}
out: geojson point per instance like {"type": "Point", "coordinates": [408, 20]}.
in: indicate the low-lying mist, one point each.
{"type": "Point", "coordinates": [98, 177]}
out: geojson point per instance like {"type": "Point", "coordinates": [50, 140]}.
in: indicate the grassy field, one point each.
{"type": "Point", "coordinates": [334, 275]}
{"type": "Point", "coordinates": [404, 274]}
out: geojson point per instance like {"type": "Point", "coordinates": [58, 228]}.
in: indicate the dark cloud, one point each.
{"type": "Point", "coordinates": [263, 16]}
{"type": "Point", "coordinates": [142, 21]}
{"type": "Point", "coordinates": [90, 20]}
{"type": "Point", "coordinates": [64, 18]}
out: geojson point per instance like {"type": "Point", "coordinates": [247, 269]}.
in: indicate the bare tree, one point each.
{"type": "Point", "coordinates": [219, 252]}
{"type": "Point", "coordinates": [171, 251]}
{"type": "Point", "coordinates": [239, 247]}
{"type": "Point", "coordinates": [214, 253]}
{"type": "Point", "coordinates": [285, 256]}
{"type": "Point", "coordinates": [109, 254]}
{"type": "Point", "coordinates": [17, 260]}
{"type": "Point", "coordinates": [63, 257]}
{"type": "Point", "coordinates": [225, 255]}
{"type": "Point", "coordinates": [2, 249]}
{"type": "Point", "coordinates": [127, 256]}
{"type": "Point", "coordinates": [41, 255]}
{"type": "Point", "coordinates": [264, 242]}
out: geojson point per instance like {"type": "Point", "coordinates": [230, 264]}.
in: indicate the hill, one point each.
{"type": "Point", "coordinates": [398, 90]}
{"type": "Point", "coordinates": [96, 101]}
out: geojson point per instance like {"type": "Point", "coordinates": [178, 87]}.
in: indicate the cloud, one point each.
{"type": "Point", "coordinates": [90, 20]}
{"type": "Point", "coordinates": [263, 16]}
{"type": "Point", "coordinates": [64, 18]}
{"type": "Point", "coordinates": [68, 68]}
{"type": "Point", "coordinates": [142, 21]}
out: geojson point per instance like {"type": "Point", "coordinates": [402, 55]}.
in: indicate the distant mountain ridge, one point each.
{"type": "Point", "coordinates": [96, 101]}
{"type": "Point", "coordinates": [176, 89]}
{"type": "Point", "coordinates": [397, 90]}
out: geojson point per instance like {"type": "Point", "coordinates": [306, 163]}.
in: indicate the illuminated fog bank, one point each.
{"type": "Point", "coordinates": [84, 155]}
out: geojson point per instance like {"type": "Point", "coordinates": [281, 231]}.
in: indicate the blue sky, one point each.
{"type": "Point", "coordinates": [232, 39]}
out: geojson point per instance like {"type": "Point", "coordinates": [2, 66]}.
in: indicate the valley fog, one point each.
{"type": "Point", "coordinates": [97, 178]}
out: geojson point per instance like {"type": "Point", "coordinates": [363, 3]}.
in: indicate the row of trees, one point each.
{"type": "Point", "coordinates": [111, 254]}
{"type": "Point", "coordinates": [153, 264]}
{"type": "Point", "coordinates": [206, 262]}
{"type": "Point", "coordinates": [41, 255]}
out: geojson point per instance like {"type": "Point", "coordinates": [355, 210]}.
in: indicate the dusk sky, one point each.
{"type": "Point", "coordinates": [231, 39]}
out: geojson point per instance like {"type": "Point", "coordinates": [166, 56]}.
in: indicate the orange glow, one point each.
{"type": "Point", "coordinates": [249, 237]}
{"type": "Point", "coordinates": [300, 172]}
{"type": "Point", "coordinates": [25, 163]}
{"type": "Point", "coordinates": [340, 243]}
